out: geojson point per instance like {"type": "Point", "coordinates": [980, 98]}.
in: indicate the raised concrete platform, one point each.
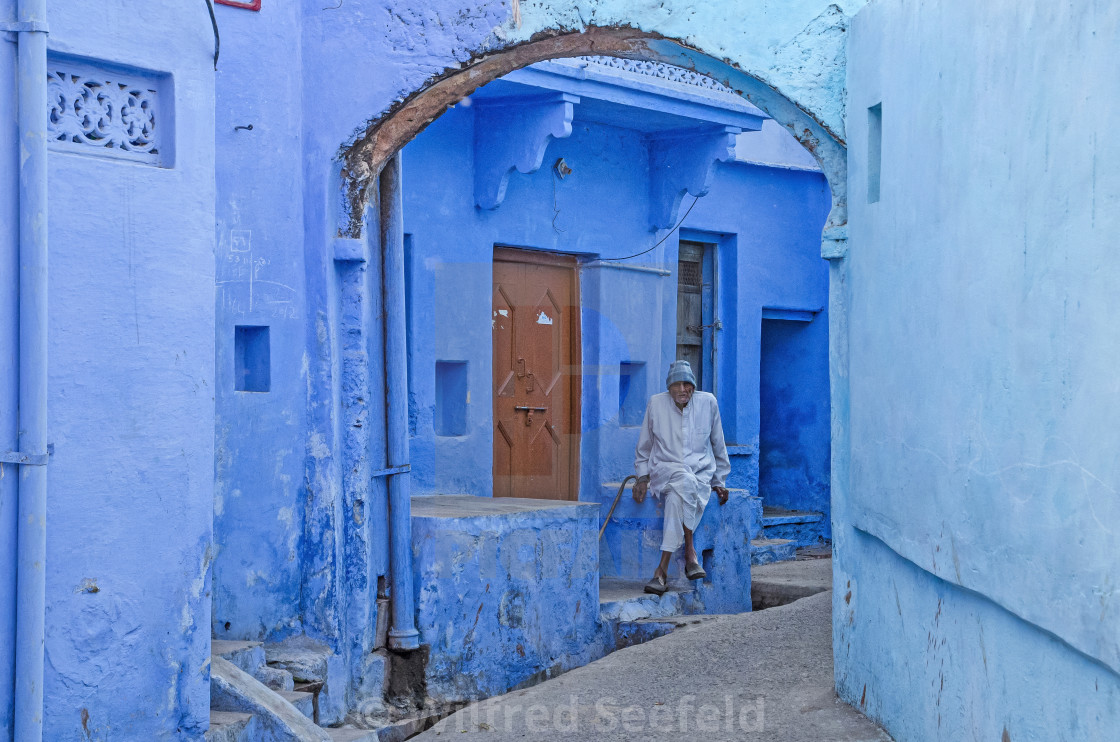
{"type": "Point", "coordinates": [631, 545]}
{"type": "Point", "coordinates": [470, 506]}
{"type": "Point", "coordinates": [507, 591]}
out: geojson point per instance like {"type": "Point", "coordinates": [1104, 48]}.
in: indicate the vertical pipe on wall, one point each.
{"type": "Point", "coordinates": [9, 376]}
{"type": "Point", "coordinates": [402, 632]}
{"type": "Point", "coordinates": [32, 532]}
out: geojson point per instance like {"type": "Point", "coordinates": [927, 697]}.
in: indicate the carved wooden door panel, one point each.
{"type": "Point", "coordinates": [536, 375]}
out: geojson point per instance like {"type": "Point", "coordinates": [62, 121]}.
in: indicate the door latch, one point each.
{"type": "Point", "coordinates": [530, 410]}
{"type": "Point", "coordinates": [697, 329]}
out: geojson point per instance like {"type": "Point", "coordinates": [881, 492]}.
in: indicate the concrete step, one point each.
{"type": "Point", "coordinates": [303, 700]}
{"type": "Point", "coordinates": [630, 616]}
{"type": "Point", "coordinates": [768, 550]}
{"type": "Point", "coordinates": [233, 689]}
{"type": "Point", "coordinates": [304, 658]}
{"type": "Point", "coordinates": [803, 527]}
{"type": "Point", "coordinates": [313, 668]}
{"type": "Point", "coordinates": [230, 726]}
{"type": "Point", "coordinates": [773, 516]}
{"type": "Point", "coordinates": [276, 678]}
{"type": "Point", "coordinates": [249, 656]}
{"type": "Point", "coordinates": [782, 583]}
{"type": "Point", "coordinates": [626, 600]}
{"type": "Point", "coordinates": [353, 735]}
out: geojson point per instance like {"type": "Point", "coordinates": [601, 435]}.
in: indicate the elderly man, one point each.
{"type": "Point", "coordinates": [681, 457]}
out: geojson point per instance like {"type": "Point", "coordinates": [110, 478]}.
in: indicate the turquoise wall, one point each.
{"type": "Point", "coordinates": [981, 503]}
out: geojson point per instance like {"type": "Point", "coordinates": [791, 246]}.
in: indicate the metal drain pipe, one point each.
{"type": "Point", "coordinates": [402, 633]}
{"type": "Point", "coordinates": [31, 539]}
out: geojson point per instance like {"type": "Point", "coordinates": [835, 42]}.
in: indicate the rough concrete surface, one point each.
{"type": "Point", "coordinates": [780, 583]}
{"type": "Point", "coordinates": [752, 676]}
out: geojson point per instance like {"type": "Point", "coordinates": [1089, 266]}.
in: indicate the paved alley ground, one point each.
{"type": "Point", "coordinates": [765, 675]}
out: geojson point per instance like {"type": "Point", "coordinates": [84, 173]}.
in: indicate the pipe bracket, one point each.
{"type": "Point", "coordinates": [25, 459]}
{"type": "Point", "coordinates": [406, 468]}
{"type": "Point", "coordinates": [24, 26]}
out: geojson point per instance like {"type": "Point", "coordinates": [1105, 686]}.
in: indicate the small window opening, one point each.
{"type": "Point", "coordinates": [631, 393]}
{"type": "Point", "coordinates": [452, 398]}
{"type": "Point", "coordinates": [252, 358]}
{"type": "Point", "coordinates": [874, 151]}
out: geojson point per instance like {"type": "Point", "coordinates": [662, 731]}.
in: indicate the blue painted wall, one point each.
{"type": "Point", "coordinates": [977, 525]}
{"type": "Point", "coordinates": [131, 383]}
{"type": "Point", "coordinates": [979, 315]}
{"type": "Point", "coordinates": [260, 437]}
{"type": "Point", "coordinates": [764, 223]}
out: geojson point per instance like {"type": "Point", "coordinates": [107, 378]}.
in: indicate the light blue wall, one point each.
{"type": "Point", "coordinates": [983, 359]}
{"type": "Point", "coordinates": [131, 383]}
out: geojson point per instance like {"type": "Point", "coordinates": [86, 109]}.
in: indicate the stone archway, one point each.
{"type": "Point", "coordinates": [364, 158]}
{"type": "Point", "coordinates": [370, 185]}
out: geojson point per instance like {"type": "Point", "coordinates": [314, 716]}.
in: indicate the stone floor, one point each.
{"type": "Point", "coordinates": [765, 675]}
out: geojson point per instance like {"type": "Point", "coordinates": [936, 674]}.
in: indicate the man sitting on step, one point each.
{"type": "Point", "coordinates": [682, 458]}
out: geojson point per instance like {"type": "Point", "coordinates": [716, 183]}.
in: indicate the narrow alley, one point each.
{"type": "Point", "coordinates": [766, 675]}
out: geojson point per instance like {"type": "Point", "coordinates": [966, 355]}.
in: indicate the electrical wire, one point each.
{"type": "Point", "coordinates": [667, 235]}
{"type": "Point", "coordinates": [217, 39]}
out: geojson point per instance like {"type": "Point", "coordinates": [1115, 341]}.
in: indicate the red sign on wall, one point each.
{"type": "Point", "coordinates": [247, 4]}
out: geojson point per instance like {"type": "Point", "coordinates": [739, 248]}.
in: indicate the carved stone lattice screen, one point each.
{"type": "Point", "coordinates": [104, 113]}
{"type": "Point", "coordinates": [660, 70]}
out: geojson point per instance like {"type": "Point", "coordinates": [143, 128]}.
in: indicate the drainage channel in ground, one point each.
{"type": "Point", "coordinates": [781, 583]}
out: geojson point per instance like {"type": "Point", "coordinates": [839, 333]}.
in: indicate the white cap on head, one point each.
{"type": "Point", "coordinates": [680, 371]}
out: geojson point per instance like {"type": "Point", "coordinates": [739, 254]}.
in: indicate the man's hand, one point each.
{"type": "Point", "coordinates": [640, 488]}
{"type": "Point", "coordinates": [723, 494]}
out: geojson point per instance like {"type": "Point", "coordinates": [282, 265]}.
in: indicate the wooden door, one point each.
{"type": "Point", "coordinates": [690, 307]}
{"type": "Point", "coordinates": [536, 375]}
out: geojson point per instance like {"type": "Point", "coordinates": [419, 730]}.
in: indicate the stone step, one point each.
{"type": "Point", "coordinates": [353, 735]}
{"type": "Point", "coordinates": [774, 516]}
{"type": "Point", "coordinates": [230, 726]}
{"type": "Point", "coordinates": [303, 700]}
{"type": "Point", "coordinates": [768, 550]}
{"type": "Point", "coordinates": [276, 678]}
{"type": "Point", "coordinates": [304, 658]}
{"type": "Point", "coordinates": [800, 526]}
{"type": "Point", "coordinates": [626, 600]}
{"type": "Point", "coordinates": [286, 715]}
{"type": "Point", "coordinates": [630, 616]}
{"type": "Point", "coordinates": [249, 656]}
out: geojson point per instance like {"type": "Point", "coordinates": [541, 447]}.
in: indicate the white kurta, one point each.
{"type": "Point", "coordinates": [684, 454]}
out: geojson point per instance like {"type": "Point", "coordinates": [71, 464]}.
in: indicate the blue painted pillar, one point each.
{"type": "Point", "coordinates": [402, 632]}
{"type": "Point", "coordinates": [32, 529]}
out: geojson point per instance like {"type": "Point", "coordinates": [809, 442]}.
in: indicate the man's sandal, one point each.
{"type": "Point", "coordinates": [657, 586]}
{"type": "Point", "coordinates": [694, 571]}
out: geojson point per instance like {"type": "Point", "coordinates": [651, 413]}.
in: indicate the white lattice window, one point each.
{"type": "Point", "coordinates": [102, 112]}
